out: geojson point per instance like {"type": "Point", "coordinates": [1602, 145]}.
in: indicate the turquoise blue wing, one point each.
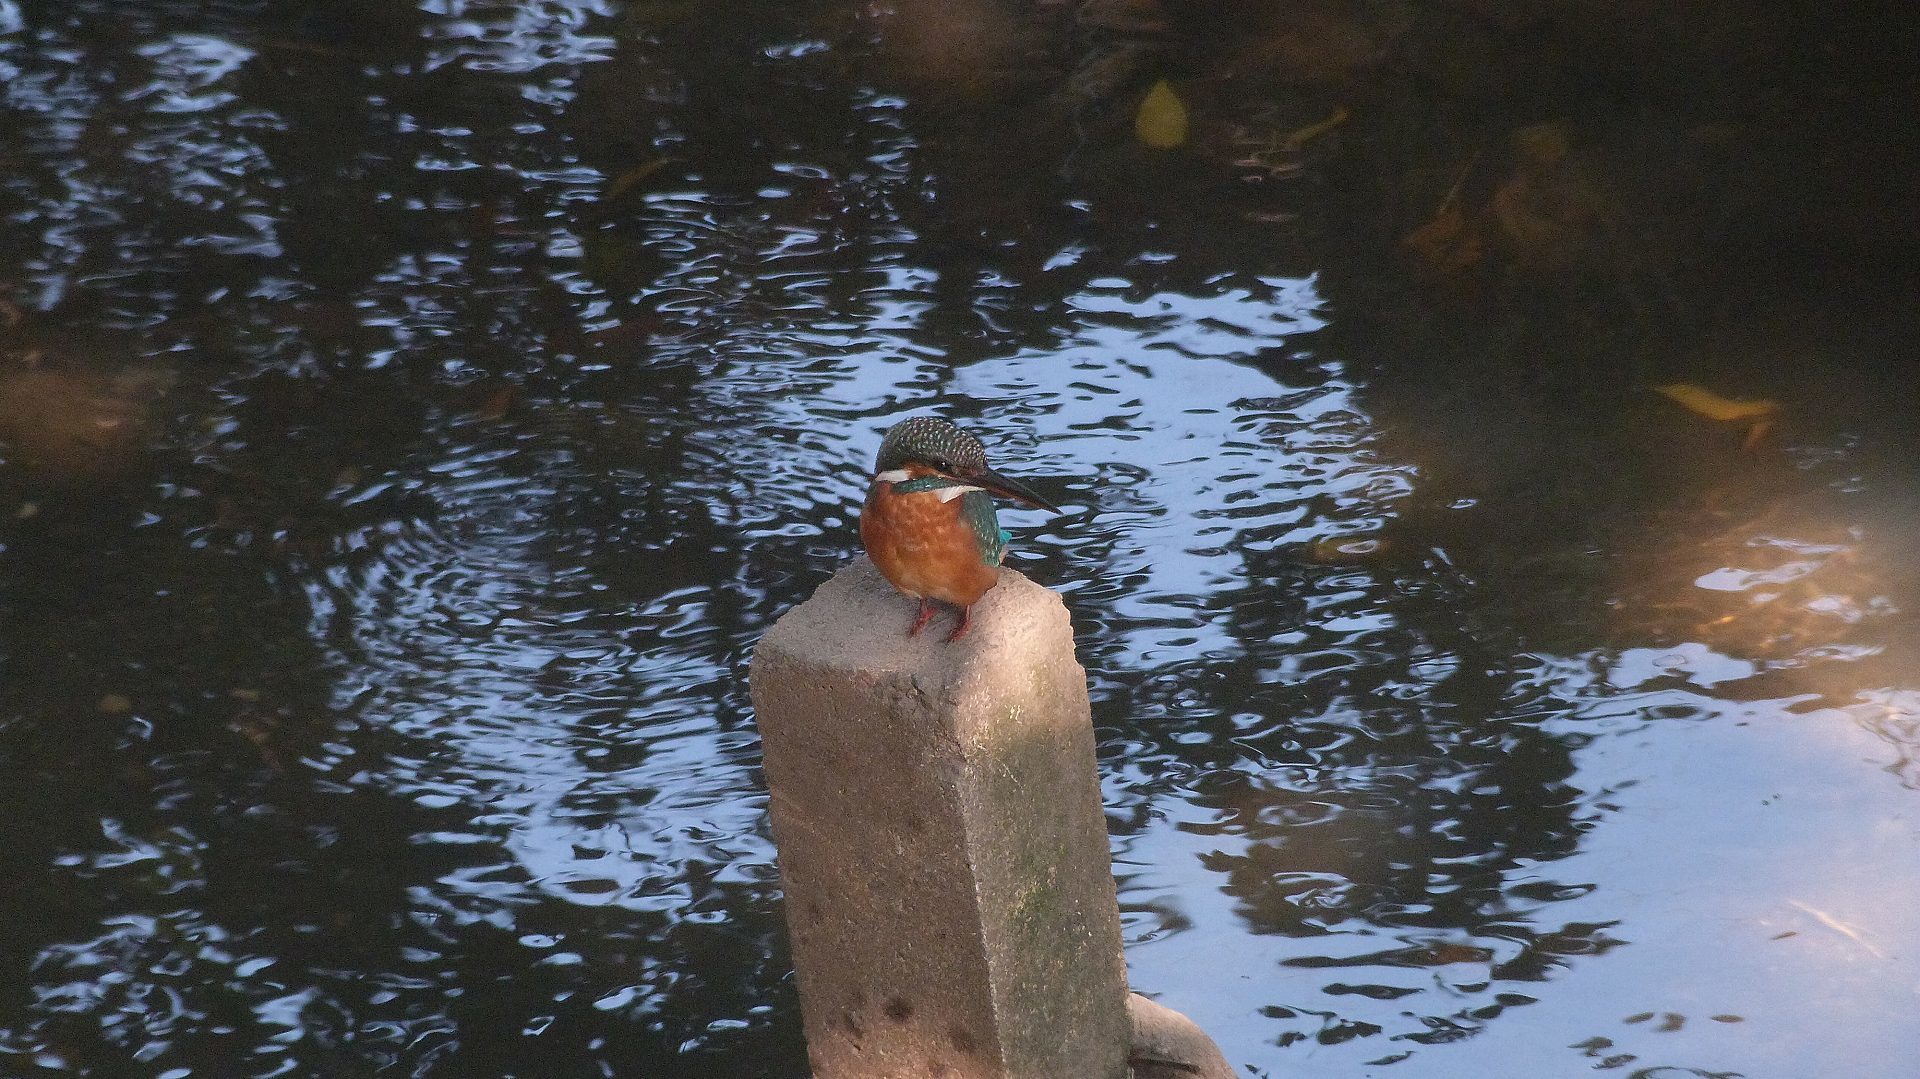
{"type": "Point", "coordinates": [976, 508]}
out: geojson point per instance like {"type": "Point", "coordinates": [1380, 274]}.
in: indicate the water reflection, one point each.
{"type": "Point", "coordinates": [417, 412]}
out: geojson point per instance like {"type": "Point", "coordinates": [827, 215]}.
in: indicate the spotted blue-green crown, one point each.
{"type": "Point", "coordinates": [933, 441]}
{"type": "Point", "coordinates": [938, 443]}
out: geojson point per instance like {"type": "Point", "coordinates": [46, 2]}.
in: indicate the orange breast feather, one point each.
{"type": "Point", "coordinates": [924, 547]}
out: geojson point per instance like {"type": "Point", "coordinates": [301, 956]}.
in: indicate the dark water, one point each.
{"type": "Point", "coordinates": [416, 414]}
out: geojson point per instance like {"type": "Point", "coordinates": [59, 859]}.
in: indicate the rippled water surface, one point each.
{"type": "Point", "coordinates": [415, 414]}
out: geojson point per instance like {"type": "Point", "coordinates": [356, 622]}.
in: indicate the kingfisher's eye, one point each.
{"type": "Point", "coordinates": [943, 464]}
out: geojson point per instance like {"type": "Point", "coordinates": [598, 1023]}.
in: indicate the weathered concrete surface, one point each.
{"type": "Point", "coordinates": [942, 844]}
{"type": "Point", "coordinates": [1168, 1045]}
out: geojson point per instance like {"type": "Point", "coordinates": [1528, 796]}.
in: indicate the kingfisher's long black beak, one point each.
{"type": "Point", "coordinates": [988, 480]}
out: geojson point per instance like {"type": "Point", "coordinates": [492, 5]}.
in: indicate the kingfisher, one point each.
{"type": "Point", "coordinates": [929, 523]}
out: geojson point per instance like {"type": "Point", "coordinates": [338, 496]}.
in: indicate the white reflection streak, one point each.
{"type": "Point", "coordinates": [1839, 927]}
{"type": "Point", "coordinates": [516, 39]}
{"type": "Point", "coordinates": [1229, 440]}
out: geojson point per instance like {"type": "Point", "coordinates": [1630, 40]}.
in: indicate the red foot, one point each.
{"type": "Point", "coordinates": [926, 613]}
{"type": "Point", "coordinates": [959, 631]}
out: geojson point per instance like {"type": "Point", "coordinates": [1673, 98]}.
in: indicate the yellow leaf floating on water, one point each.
{"type": "Point", "coordinates": [1162, 120]}
{"type": "Point", "coordinates": [1704, 402]}
{"type": "Point", "coordinates": [1313, 131]}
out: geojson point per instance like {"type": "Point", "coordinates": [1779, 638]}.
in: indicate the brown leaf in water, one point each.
{"type": "Point", "coordinates": [627, 180]}
{"type": "Point", "coordinates": [1511, 208]}
{"type": "Point", "coordinates": [71, 424]}
{"type": "Point", "coordinates": [497, 403]}
{"type": "Point", "coordinates": [1542, 145]}
{"type": "Point", "coordinates": [1448, 244]}
{"type": "Point", "coordinates": [1133, 18]}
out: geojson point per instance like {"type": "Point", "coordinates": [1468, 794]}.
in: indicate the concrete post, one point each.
{"type": "Point", "coordinates": [942, 845]}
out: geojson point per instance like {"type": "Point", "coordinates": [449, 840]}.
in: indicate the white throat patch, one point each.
{"type": "Point", "coordinates": [900, 475]}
